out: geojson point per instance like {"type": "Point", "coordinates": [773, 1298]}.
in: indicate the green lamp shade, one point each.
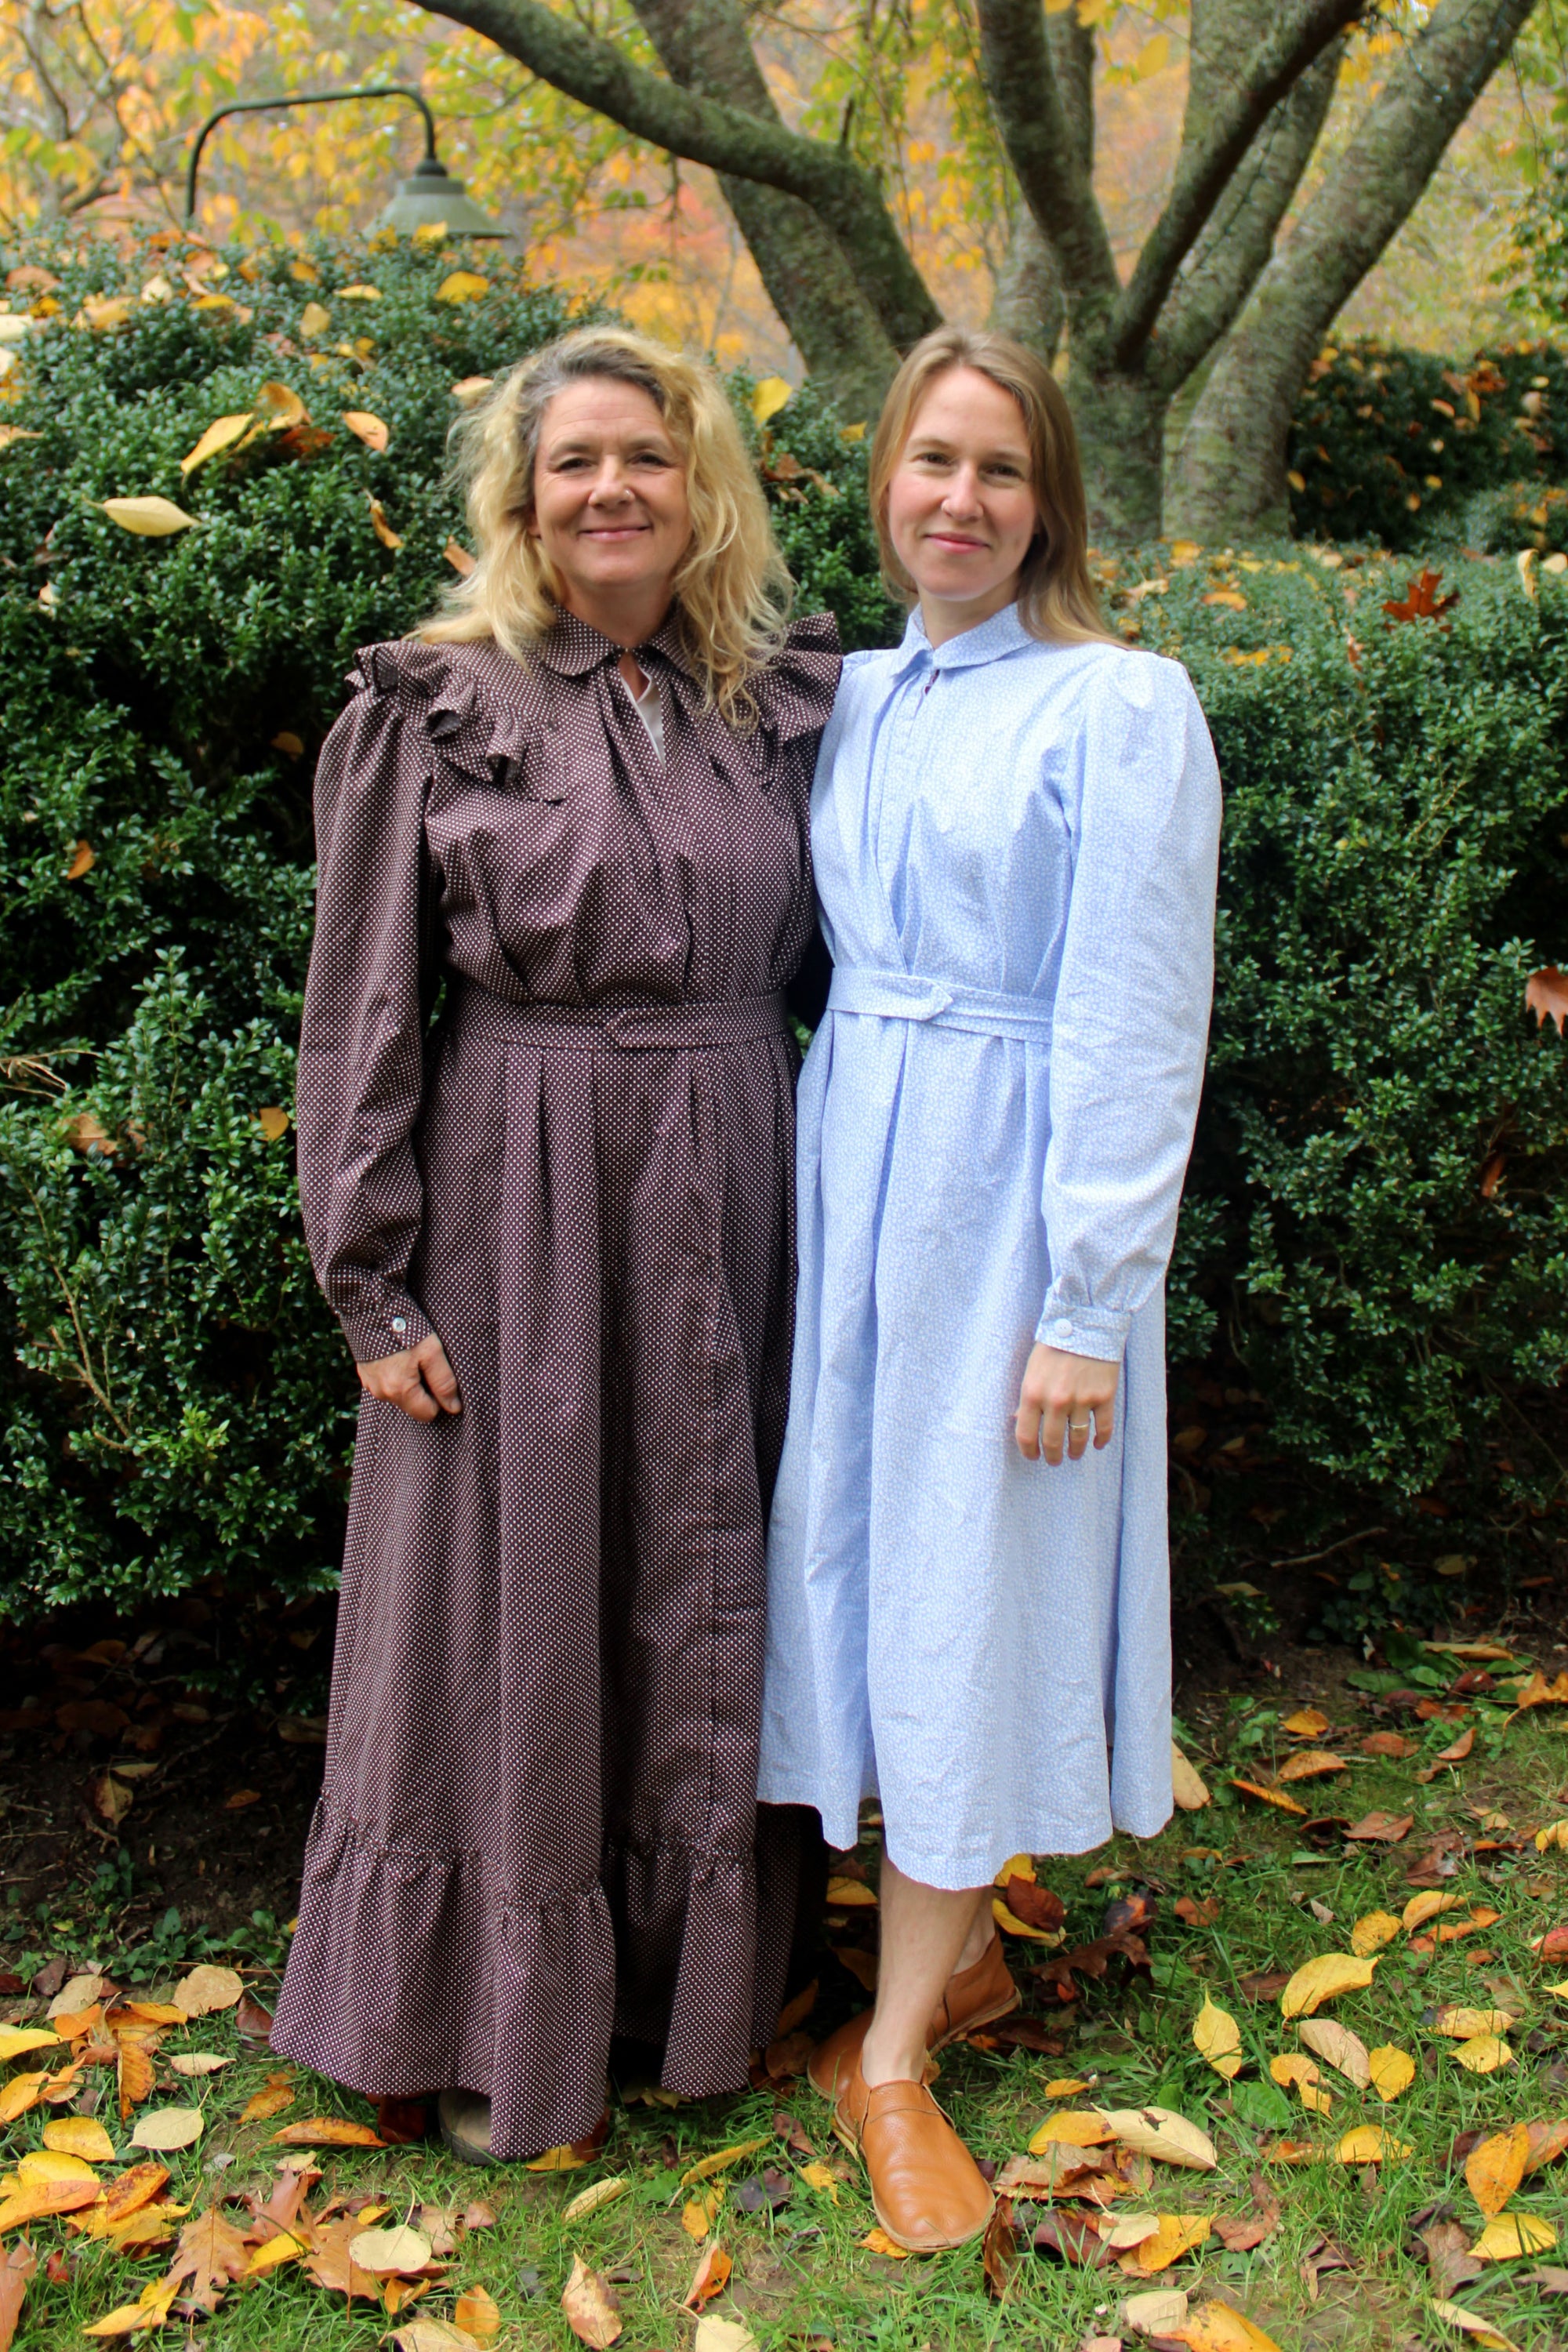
{"type": "Point", "coordinates": [431, 197]}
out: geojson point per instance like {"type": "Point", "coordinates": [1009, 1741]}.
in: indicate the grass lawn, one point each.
{"type": "Point", "coordinates": [1352, 2261]}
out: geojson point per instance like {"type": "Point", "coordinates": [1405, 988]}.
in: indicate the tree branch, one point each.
{"type": "Point", "coordinates": [1230, 475]}
{"type": "Point", "coordinates": [1225, 264]}
{"type": "Point", "coordinates": [1026, 100]}
{"type": "Point", "coordinates": [1206, 166]}
{"type": "Point", "coordinates": [844, 197]}
{"type": "Point", "coordinates": [810, 280]}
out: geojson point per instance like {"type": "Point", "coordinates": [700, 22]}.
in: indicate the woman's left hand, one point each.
{"type": "Point", "coordinates": [1059, 1395]}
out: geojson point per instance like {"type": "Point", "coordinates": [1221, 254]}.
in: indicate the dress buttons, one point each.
{"type": "Point", "coordinates": [399, 1324]}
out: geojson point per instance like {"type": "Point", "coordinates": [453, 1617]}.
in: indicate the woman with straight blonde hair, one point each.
{"type": "Point", "coordinates": [1015, 832]}
{"type": "Point", "coordinates": [556, 1227]}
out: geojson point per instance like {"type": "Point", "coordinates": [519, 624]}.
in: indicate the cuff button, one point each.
{"type": "Point", "coordinates": [399, 1324]}
{"type": "Point", "coordinates": [1062, 1327]}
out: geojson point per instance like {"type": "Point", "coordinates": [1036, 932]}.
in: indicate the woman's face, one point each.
{"type": "Point", "coordinates": [610, 510]}
{"type": "Point", "coordinates": [960, 508]}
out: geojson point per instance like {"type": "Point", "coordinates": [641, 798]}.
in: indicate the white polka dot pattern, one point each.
{"type": "Point", "coordinates": [539, 1823]}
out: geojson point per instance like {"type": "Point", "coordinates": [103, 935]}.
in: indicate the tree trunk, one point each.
{"type": "Point", "coordinates": [1029, 303]}
{"type": "Point", "coordinates": [1120, 422]}
{"type": "Point", "coordinates": [1229, 479]}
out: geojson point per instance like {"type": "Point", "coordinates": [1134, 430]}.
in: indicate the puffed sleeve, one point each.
{"type": "Point", "coordinates": [362, 1040]}
{"type": "Point", "coordinates": [1131, 1021]}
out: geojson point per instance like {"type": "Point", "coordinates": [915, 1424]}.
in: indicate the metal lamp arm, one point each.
{"type": "Point", "coordinates": [305, 97]}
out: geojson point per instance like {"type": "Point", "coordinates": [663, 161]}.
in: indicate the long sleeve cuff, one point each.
{"type": "Point", "coordinates": [1077, 1330]}
{"type": "Point", "coordinates": [378, 1323]}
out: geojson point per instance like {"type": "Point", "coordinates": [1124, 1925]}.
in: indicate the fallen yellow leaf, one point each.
{"type": "Point", "coordinates": [1068, 2086]}
{"type": "Point", "coordinates": [721, 2160]}
{"type": "Point", "coordinates": [1293, 2071]}
{"type": "Point", "coordinates": [769, 397]}
{"type": "Point", "coordinates": [379, 524]}
{"type": "Point", "coordinates": [150, 2309]}
{"type": "Point", "coordinates": [274, 2253]}
{"type": "Point", "coordinates": [1341, 2048]}
{"type": "Point", "coordinates": [1369, 2144]}
{"type": "Point", "coordinates": [1393, 2070]}
{"type": "Point", "coordinates": [819, 2178]}
{"type": "Point", "coordinates": [1372, 1932]}
{"type": "Point", "coordinates": [221, 435]}
{"type": "Point", "coordinates": [1470, 2322]}
{"type": "Point", "coordinates": [878, 2242]}
{"type": "Point", "coordinates": [366, 428]}
{"type": "Point", "coordinates": [462, 286]}
{"type": "Point", "coordinates": [1307, 1723]}
{"type": "Point", "coordinates": [149, 517]}
{"type": "Point", "coordinates": [1325, 1978]}
{"type": "Point", "coordinates": [847, 1894]}
{"type": "Point", "coordinates": [1312, 1764]}
{"type": "Point", "coordinates": [1269, 1796]}
{"type": "Point", "coordinates": [1494, 2170]}
{"type": "Point", "coordinates": [1073, 2128]}
{"type": "Point", "coordinates": [81, 2136]}
{"type": "Point", "coordinates": [589, 2201]}
{"type": "Point", "coordinates": [1175, 2238]}
{"type": "Point", "coordinates": [1422, 1907]}
{"type": "Point", "coordinates": [1161, 2133]}
{"type": "Point", "coordinates": [1218, 2037]}
{"type": "Point", "coordinates": [1463, 2023]}
{"type": "Point", "coordinates": [1188, 1788]}
{"type": "Point", "coordinates": [16, 2041]}
{"type": "Point", "coordinates": [478, 2313]}
{"type": "Point", "coordinates": [1509, 2235]}
{"type": "Point", "coordinates": [1483, 2054]}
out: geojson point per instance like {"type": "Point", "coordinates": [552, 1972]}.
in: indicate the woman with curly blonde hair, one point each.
{"type": "Point", "coordinates": [556, 1227]}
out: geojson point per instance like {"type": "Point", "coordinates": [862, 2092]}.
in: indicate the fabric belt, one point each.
{"type": "Point", "coordinates": [647, 1026]}
{"type": "Point", "coordinates": [946, 1004]}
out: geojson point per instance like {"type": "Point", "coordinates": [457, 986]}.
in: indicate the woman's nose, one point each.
{"type": "Point", "coordinates": [963, 491]}
{"type": "Point", "coordinates": [610, 483]}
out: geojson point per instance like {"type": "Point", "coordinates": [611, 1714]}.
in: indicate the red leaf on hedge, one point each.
{"type": "Point", "coordinates": [1421, 601]}
{"type": "Point", "coordinates": [1546, 995]}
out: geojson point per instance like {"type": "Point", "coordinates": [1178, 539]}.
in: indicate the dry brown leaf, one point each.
{"type": "Point", "coordinates": [84, 857]}
{"type": "Point", "coordinates": [471, 389]}
{"type": "Point", "coordinates": [16, 2267]}
{"type": "Point", "coordinates": [592, 2313]}
{"type": "Point", "coordinates": [462, 561]}
{"type": "Point", "coordinates": [1344, 2051]}
{"type": "Point", "coordinates": [1307, 1723]}
{"type": "Point", "coordinates": [326, 2131]}
{"type": "Point", "coordinates": [1381, 1829]}
{"type": "Point", "coordinates": [199, 2062]}
{"type": "Point", "coordinates": [207, 1990]}
{"type": "Point", "coordinates": [1325, 1978]}
{"type": "Point", "coordinates": [330, 2264]}
{"type": "Point", "coordinates": [1269, 1796]}
{"type": "Point", "coordinates": [1388, 1743]}
{"type": "Point", "coordinates": [211, 2255]}
{"type": "Point", "coordinates": [1494, 2170]}
{"type": "Point", "coordinates": [1312, 1764]}
{"type": "Point", "coordinates": [1459, 1748]}
{"type": "Point", "coordinates": [366, 428]}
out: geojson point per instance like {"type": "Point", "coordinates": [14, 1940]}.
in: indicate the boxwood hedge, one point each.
{"type": "Point", "coordinates": [1375, 1238]}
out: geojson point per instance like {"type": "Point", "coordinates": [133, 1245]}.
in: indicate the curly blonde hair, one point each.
{"type": "Point", "coordinates": [731, 587]}
{"type": "Point", "coordinates": [1056, 598]}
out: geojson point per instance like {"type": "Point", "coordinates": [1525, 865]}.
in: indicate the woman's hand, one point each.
{"type": "Point", "coordinates": [1060, 1394]}
{"type": "Point", "coordinates": [418, 1380]}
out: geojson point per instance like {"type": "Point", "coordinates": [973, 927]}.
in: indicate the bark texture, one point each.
{"type": "Point", "coordinates": [1229, 477]}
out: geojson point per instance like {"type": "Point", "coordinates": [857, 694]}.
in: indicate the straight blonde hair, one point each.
{"type": "Point", "coordinates": [733, 589]}
{"type": "Point", "coordinates": [1056, 598]}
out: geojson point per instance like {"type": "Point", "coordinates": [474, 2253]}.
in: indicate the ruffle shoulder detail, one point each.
{"type": "Point", "coordinates": [480, 734]}
{"type": "Point", "coordinates": [795, 693]}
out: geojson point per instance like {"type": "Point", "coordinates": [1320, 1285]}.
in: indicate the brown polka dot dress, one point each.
{"type": "Point", "coordinates": [539, 1823]}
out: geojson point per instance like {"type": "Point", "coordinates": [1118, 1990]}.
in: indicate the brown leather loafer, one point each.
{"type": "Point", "coordinates": [929, 2193]}
{"type": "Point", "coordinates": [972, 1998]}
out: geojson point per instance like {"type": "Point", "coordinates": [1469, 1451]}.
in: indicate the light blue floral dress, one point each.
{"type": "Point", "coordinates": [1015, 848]}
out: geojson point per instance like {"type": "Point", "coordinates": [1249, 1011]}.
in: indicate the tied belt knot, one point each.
{"type": "Point", "coordinates": [646, 1025]}
{"type": "Point", "coordinates": [943, 1004]}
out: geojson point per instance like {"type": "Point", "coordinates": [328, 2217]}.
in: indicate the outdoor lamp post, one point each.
{"type": "Point", "coordinates": [428, 198]}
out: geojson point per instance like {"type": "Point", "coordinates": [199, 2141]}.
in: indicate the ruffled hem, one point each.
{"type": "Point", "coordinates": [412, 1971]}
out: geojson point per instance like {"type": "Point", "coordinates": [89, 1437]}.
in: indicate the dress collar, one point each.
{"type": "Point", "coordinates": [574, 647]}
{"type": "Point", "coordinates": [1004, 632]}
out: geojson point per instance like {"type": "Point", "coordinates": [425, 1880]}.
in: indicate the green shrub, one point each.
{"type": "Point", "coordinates": [1378, 1212]}
{"type": "Point", "coordinates": [1404, 448]}
{"type": "Point", "coordinates": [178, 1405]}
